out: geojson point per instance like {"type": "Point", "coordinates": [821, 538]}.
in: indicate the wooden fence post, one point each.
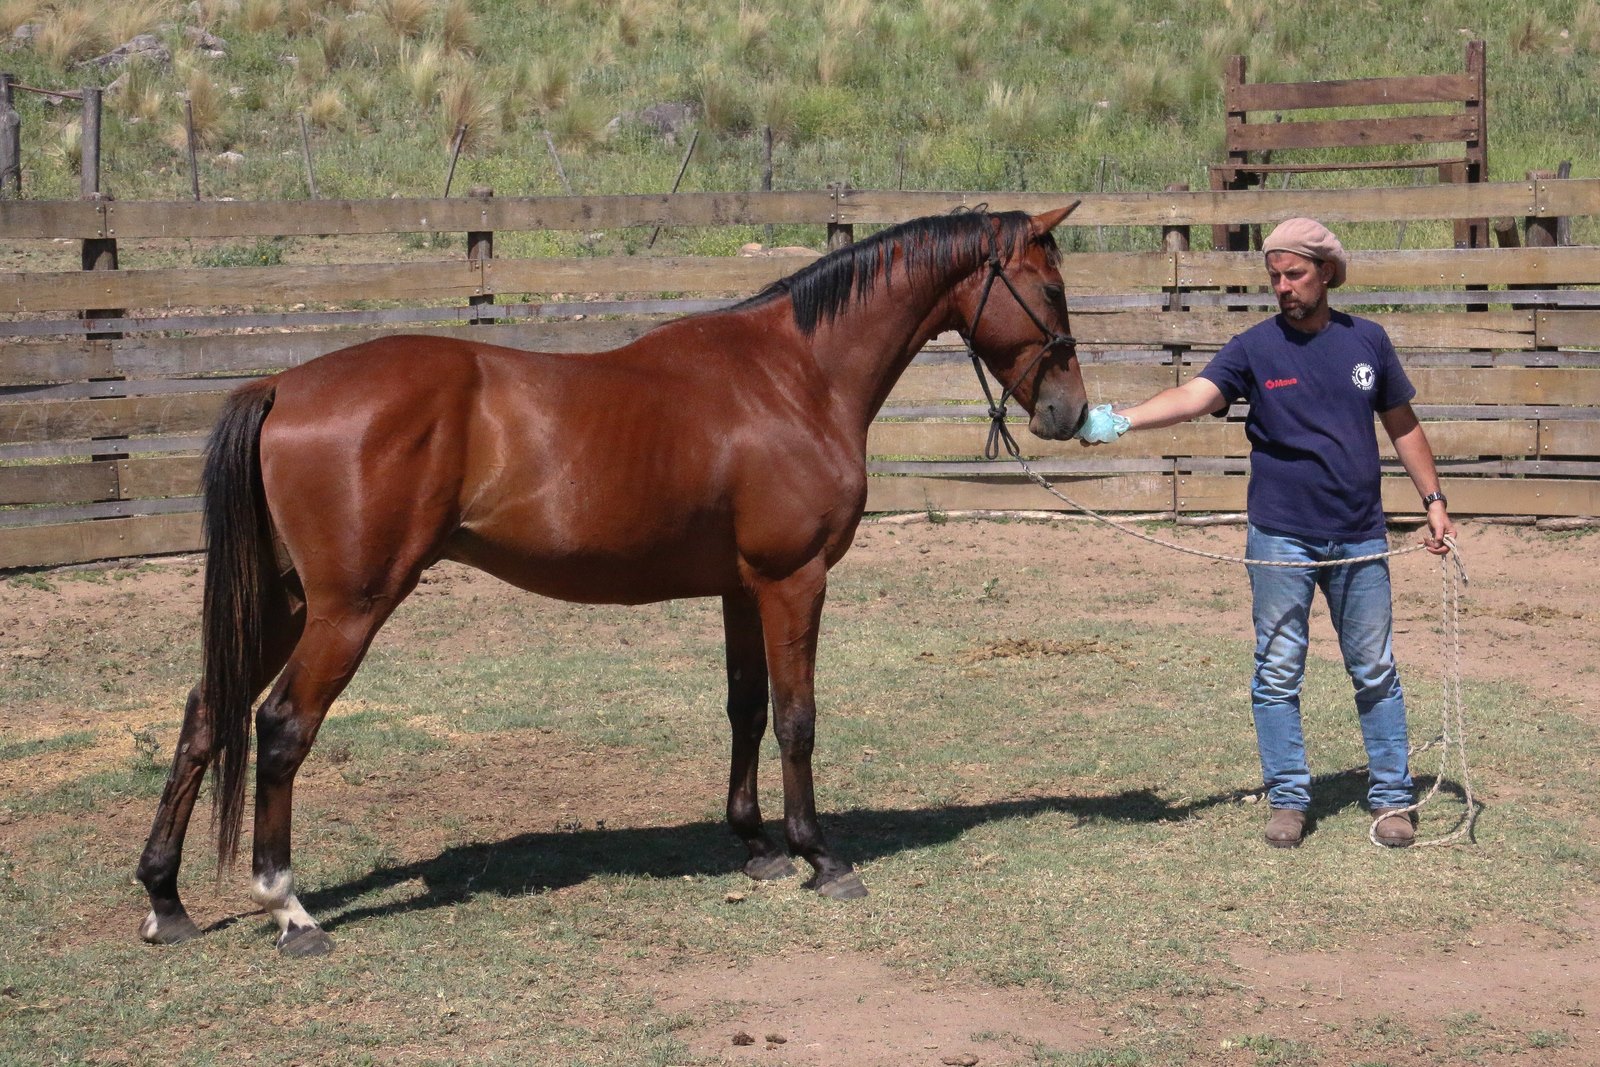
{"type": "Point", "coordinates": [89, 143]}
{"type": "Point", "coordinates": [480, 249]}
{"type": "Point", "coordinates": [839, 233]}
{"type": "Point", "coordinates": [10, 141]}
{"type": "Point", "coordinates": [194, 166]}
{"type": "Point", "coordinates": [766, 169]}
{"type": "Point", "coordinates": [1540, 229]}
{"type": "Point", "coordinates": [1174, 240]}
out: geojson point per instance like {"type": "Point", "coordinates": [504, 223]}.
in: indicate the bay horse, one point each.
{"type": "Point", "coordinates": [721, 454]}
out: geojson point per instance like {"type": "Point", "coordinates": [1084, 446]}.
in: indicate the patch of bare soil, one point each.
{"type": "Point", "coordinates": [805, 1008]}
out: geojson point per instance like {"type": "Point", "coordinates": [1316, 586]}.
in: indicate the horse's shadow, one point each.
{"type": "Point", "coordinates": [542, 861]}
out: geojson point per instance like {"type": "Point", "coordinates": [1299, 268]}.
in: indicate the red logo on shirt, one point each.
{"type": "Point", "coordinates": [1279, 383]}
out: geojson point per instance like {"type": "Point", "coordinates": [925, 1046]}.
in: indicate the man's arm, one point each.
{"type": "Point", "coordinates": [1195, 397]}
{"type": "Point", "coordinates": [1416, 455]}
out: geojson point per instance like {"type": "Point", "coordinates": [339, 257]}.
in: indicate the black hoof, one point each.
{"type": "Point", "coordinates": [768, 868]}
{"type": "Point", "coordinates": [846, 886]}
{"type": "Point", "coordinates": [173, 931]}
{"type": "Point", "coordinates": [305, 941]}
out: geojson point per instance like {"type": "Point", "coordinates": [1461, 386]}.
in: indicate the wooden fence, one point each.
{"type": "Point", "coordinates": [110, 378]}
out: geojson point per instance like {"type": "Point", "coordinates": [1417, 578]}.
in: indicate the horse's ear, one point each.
{"type": "Point", "coordinates": [1043, 224]}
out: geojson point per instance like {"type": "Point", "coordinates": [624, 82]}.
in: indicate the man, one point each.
{"type": "Point", "coordinates": [1313, 378]}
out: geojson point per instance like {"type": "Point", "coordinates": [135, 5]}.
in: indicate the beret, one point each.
{"type": "Point", "coordinates": [1309, 238]}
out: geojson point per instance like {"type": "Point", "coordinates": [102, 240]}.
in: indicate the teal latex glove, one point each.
{"type": "Point", "coordinates": [1103, 425]}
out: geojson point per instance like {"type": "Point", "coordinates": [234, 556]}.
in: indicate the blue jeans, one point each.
{"type": "Point", "coordinates": [1362, 614]}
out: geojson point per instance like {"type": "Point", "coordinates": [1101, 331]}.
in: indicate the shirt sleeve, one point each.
{"type": "Point", "coordinates": [1394, 387]}
{"type": "Point", "coordinates": [1229, 371]}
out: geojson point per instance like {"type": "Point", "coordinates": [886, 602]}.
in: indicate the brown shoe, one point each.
{"type": "Point", "coordinates": [1286, 828]}
{"type": "Point", "coordinates": [1396, 827]}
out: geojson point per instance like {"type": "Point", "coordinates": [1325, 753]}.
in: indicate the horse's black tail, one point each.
{"type": "Point", "coordinates": [238, 570]}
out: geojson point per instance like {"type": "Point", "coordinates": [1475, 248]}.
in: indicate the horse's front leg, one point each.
{"type": "Point", "coordinates": [747, 718]}
{"type": "Point", "coordinates": [791, 612]}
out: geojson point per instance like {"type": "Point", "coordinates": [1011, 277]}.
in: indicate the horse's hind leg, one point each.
{"type": "Point", "coordinates": [168, 921]}
{"type": "Point", "coordinates": [329, 651]}
{"type": "Point", "coordinates": [747, 716]}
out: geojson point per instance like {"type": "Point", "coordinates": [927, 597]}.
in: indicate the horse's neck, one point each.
{"type": "Point", "coordinates": [867, 346]}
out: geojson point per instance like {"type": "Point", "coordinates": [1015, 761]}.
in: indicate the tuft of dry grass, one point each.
{"type": "Point", "coordinates": [580, 124]}
{"type": "Point", "coordinates": [422, 66]}
{"type": "Point", "coordinates": [14, 13]}
{"type": "Point", "coordinates": [208, 106]}
{"type": "Point", "coordinates": [750, 37]}
{"type": "Point", "coordinates": [301, 18]}
{"type": "Point", "coordinates": [337, 42]}
{"type": "Point", "coordinates": [463, 102]}
{"type": "Point", "coordinates": [549, 82]}
{"type": "Point", "coordinates": [326, 108]}
{"type": "Point", "coordinates": [128, 19]}
{"type": "Point", "coordinates": [67, 35]}
{"type": "Point", "coordinates": [142, 95]}
{"type": "Point", "coordinates": [1531, 35]}
{"type": "Point", "coordinates": [458, 30]}
{"type": "Point", "coordinates": [406, 19]}
{"type": "Point", "coordinates": [723, 106]}
{"type": "Point", "coordinates": [1017, 115]}
{"type": "Point", "coordinates": [846, 17]}
{"type": "Point", "coordinates": [259, 16]}
{"type": "Point", "coordinates": [65, 143]}
{"type": "Point", "coordinates": [1586, 28]}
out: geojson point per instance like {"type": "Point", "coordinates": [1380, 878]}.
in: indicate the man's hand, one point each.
{"type": "Point", "coordinates": [1102, 426]}
{"type": "Point", "coordinates": [1439, 528]}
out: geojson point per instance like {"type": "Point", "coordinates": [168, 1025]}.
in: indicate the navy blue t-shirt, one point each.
{"type": "Point", "coordinates": [1314, 449]}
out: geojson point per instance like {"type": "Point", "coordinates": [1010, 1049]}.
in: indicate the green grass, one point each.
{"type": "Point", "coordinates": [941, 94]}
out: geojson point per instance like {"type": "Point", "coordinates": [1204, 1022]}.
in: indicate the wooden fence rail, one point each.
{"type": "Point", "coordinates": [103, 412]}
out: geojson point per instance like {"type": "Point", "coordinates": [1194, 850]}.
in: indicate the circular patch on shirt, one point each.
{"type": "Point", "coordinates": [1364, 377]}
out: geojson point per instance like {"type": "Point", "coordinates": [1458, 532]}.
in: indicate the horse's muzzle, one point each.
{"type": "Point", "coordinates": [1055, 422]}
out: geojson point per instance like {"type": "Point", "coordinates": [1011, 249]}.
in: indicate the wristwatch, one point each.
{"type": "Point", "coordinates": [1428, 500]}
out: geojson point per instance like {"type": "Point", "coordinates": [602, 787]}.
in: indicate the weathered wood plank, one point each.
{"type": "Point", "coordinates": [57, 483]}
{"type": "Point", "coordinates": [1572, 386]}
{"type": "Point", "coordinates": [1206, 207]}
{"type": "Point", "coordinates": [244, 286]}
{"type": "Point", "coordinates": [958, 382]}
{"type": "Point", "coordinates": [1209, 328]}
{"type": "Point", "coordinates": [46, 220]}
{"type": "Point", "coordinates": [1569, 438]}
{"type": "Point", "coordinates": [82, 542]}
{"type": "Point", "coordinates": [21, 219]}
{"type": "Point", "coordinates": [1468, 496]}
{"type": "Point", "coordinates": [1355, 133]}
{"type": "Point", "coordinates": [1413, 268]}
{"type": "Point", "coordinates": [158, 476]}
{"type": "Point", "coordinates": [1568, 329]}
{"type": "Point", "coordinates": [56, 420]}
{"type": "Point", "coordinates": [1131, 492]}
{"type": "Point", "coordinates": [1352, 92]}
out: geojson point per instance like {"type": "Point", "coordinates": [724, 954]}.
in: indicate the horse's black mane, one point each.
{"type": "Point", "coordinates": [821, 290]}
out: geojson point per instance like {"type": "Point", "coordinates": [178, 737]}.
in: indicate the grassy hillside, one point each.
{"type": "Point", "coordinates": [994, 94]}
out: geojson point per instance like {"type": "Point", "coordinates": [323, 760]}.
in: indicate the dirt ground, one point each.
{"type": "Point", "coordinates": [1532, 616]}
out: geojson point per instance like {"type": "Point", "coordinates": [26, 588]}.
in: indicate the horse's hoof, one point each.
{"type": "Point", "coordinates": [305, 941]}
{"type": "Point", "coordinates": [768, 868]}
{"type": "Point", "coordinates": [846, 886]}
{"type": "Point", "coordinates": [174, 931]}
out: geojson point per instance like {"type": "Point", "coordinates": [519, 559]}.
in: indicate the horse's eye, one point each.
{"type": "Point", "coordinates": [1055, 292]}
